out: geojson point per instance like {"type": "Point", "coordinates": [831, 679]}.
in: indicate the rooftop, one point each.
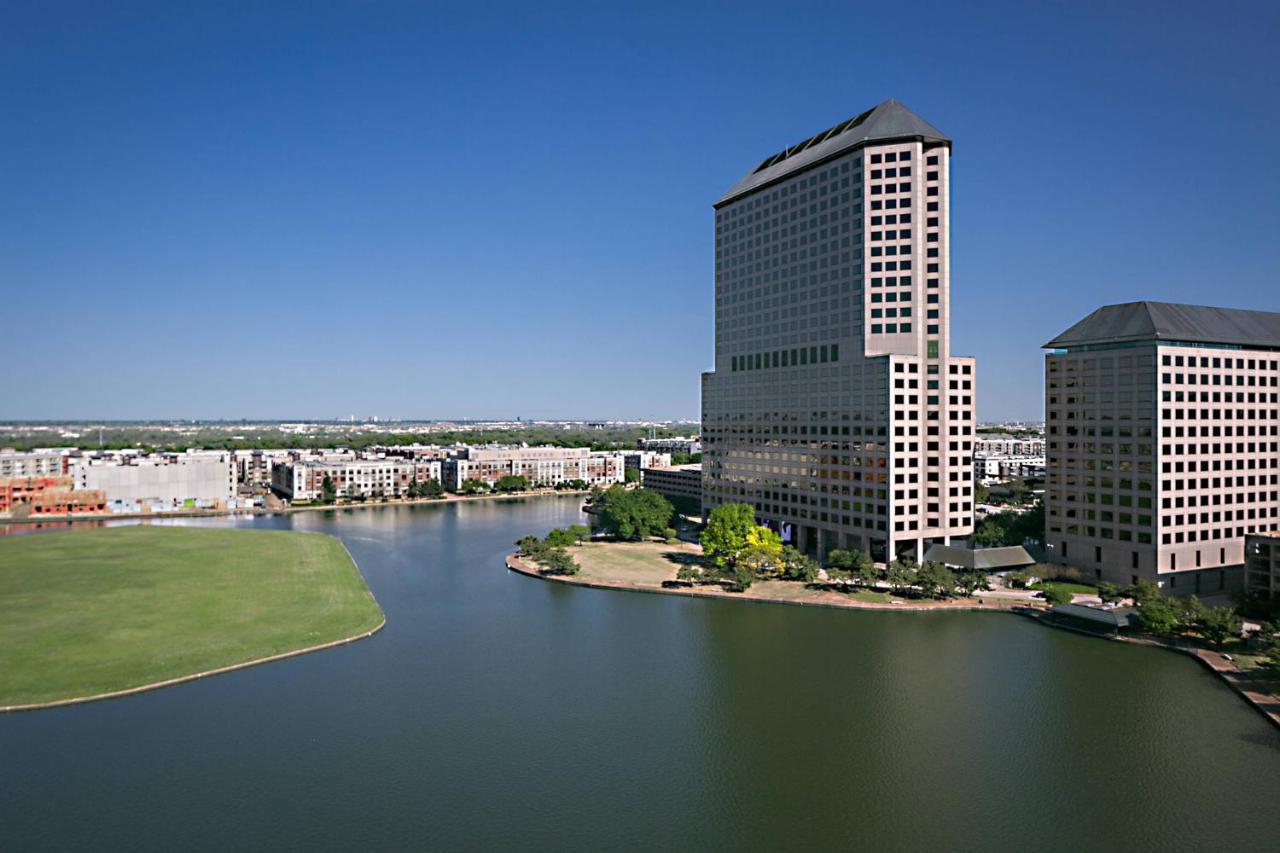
{"type": "Point", "coordinates": [1163, 321]}
{"type": "Point", "coordinates": [882, 123]}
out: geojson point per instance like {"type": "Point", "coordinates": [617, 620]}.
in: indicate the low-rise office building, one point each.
{"type": "Point", "coordinates": [1162, 451]}
{"type": "Point", "coordinates": [680, 483]}
{"type": "Point", "coordinates": [1262, 564]}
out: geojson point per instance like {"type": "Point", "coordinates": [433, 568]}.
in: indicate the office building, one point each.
{"type": "Point", "coordinates": [835, 407]}
{"type": "Point", "coordinates": [681, 484]}
{"type": "Point", "coordinates": [1262, 564]}
{"type": "Point", "coordinates": [1162, 442]}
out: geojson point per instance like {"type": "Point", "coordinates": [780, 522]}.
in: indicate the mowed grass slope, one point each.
{"type": "Point", "coordinates": [95, 611]}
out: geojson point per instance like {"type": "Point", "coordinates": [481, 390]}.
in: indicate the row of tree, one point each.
{"type": "Point", "coordinates": [739, 550]}
{"type": "Point", "coordinates": [551, 552]}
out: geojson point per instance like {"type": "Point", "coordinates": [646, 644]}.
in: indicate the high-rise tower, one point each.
{"type": "Point", "coordinates": [835, 406]}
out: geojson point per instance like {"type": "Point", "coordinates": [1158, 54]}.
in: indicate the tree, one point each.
{"type": "Point", "coordinates": [328, 494]}
{"type": "Point", "coordinates": [981, 493]}
{"type": "Point", "coordinates": [559, 538]}
{"type": "Point", "coordinates": [1056, 595]}
{"type": "Point", "coordinates": [1110, 593]}
{"type": "Point", "coordinates": [633, 514]}
{"type": "Point", "coordinates": [797, 566]}
{"type": "Point", "coordinates": [743, 575]}
{"type": "Point", "coordinates": [580, 532]}
{"type": "Point", "coordinates": [557, 561]}
{"type": "Point", "coordinates": [726, 533]}
{"type": "Point", "coordinates": [988, 535]}
{"type": "Point", "coordinates": [865, 569]}
{"type": "Point", "coordinates": [840, 559]}
{"type": "Point", "coordinates": [972, 582]}
{"type": "Point", "coordinates": [1017, 490]}
{"type": "Point", "coordinates": [1143, 591]}
{"type": "Point", "coordinates": [530, 546]}
{"type": "Point", "coordinates": [631, 475]}
{"type": "Point", "coordinates": [473, 487]}
{"type": "Point", "coordinates": [763, 551]}
{"type": "Point", "coordinates": [1158, 616]}
{"type": "Point", "coordinates": [511, 483]}
{"type": "Point", "coordinates": [430, 489]}
{"type": "Point", "coordinates": [901, 575]}
{"type": "Point", "coordinates": [936, 580]}
{"type": "Point", "coordinates": [1219, 624]}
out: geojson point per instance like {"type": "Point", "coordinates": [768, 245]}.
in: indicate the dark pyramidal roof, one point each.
{"type": "Point", "coordinates": [884, 122]}
{"type": "Point", "coordinates": [1144, 321]}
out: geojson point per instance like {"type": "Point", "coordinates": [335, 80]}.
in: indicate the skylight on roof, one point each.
{"type": "Point", "coordinates": [817, 138]}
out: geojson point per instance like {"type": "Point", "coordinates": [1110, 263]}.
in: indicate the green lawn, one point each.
{"type": "Point", "coordinates": [93, 611]}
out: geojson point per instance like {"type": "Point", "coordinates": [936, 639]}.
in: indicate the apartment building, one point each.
{"type": "Point", "coordinates": [641, 459]}
{"type": "Point", "coordinates": [1000, 467]}
{"type": "Point", "coordinates": [541, 466]}
{"type": "Point", "coordinates": [303, 479]}
{"type": "Point", "coordinates": [1162, 442]}
{"type": "Point", "coordinates": [134, 483]}
{"type": "Point", "coordinates": [42, 462]}
{"type": "Point", "coordinates": [835, 406]}
{"type": "Point", "coordinates": [678, 444]}
{"type": "Point", "coordinates": [1009, 446]}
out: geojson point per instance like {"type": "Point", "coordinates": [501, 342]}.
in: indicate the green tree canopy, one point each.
{"type": "Point", "coordinates": [633, 513]}
{"type": "Point", "coordinates": [726, 533]}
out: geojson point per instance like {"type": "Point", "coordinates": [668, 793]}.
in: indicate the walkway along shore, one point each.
{"type": "Point", "coordinates": [169, 682]}
{"type": "Point", "coordinates": [1265, 703]}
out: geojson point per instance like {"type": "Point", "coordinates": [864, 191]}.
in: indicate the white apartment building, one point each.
{"type": "Point", "coordinates": [1009, 446]}
{"type": "Point", "coordinates": [671, 445]}
{"type": "Point", "coordinates": [42, 462]}
{"type": "Point", "coordinates": [1000, 467]}
{"type": "Point", "coordinates": [158, 481]}
{"type": "Point", "coordinates": [541, 466]}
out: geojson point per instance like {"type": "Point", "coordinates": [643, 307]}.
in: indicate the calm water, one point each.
{"type": "Point", "coordinates": [500, 712]}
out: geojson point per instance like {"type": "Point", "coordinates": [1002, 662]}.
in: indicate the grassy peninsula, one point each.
{"type": "Point", "coordinates": [89, 612]}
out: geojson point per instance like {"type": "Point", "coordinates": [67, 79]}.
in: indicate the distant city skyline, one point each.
{"type": "Point", "coordinates": [230, 213]}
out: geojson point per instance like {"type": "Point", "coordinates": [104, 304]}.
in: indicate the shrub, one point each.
{"type": "Point", "coordinates": [669, 534]}
{"type": "Point", "coordinates": [558, 562]}
{"type": "Point", "coordinates": [1056, 595]}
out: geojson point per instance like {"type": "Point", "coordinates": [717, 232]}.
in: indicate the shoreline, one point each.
{"type": "Point", "coordinates": [250, 511]}
{"type": "Point", "coordinates": [221, 670]}
{"type": "Point", "coordinates": [1239, 682]}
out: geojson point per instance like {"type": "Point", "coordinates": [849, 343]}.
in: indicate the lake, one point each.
{"type": "Point", "coordinates": [497, 711]}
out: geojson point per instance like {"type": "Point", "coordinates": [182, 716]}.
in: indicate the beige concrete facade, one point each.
{"type": "Point", "coordinates": [835, 407]}
{"type": "Point", "coordinates": [1162, 457]}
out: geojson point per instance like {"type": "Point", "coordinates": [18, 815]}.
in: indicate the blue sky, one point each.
{"type": "Point", "coordinates": [475, 210]}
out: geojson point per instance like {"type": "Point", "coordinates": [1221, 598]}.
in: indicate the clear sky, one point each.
{"type": "Point", "coordinates": [474, 210]}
